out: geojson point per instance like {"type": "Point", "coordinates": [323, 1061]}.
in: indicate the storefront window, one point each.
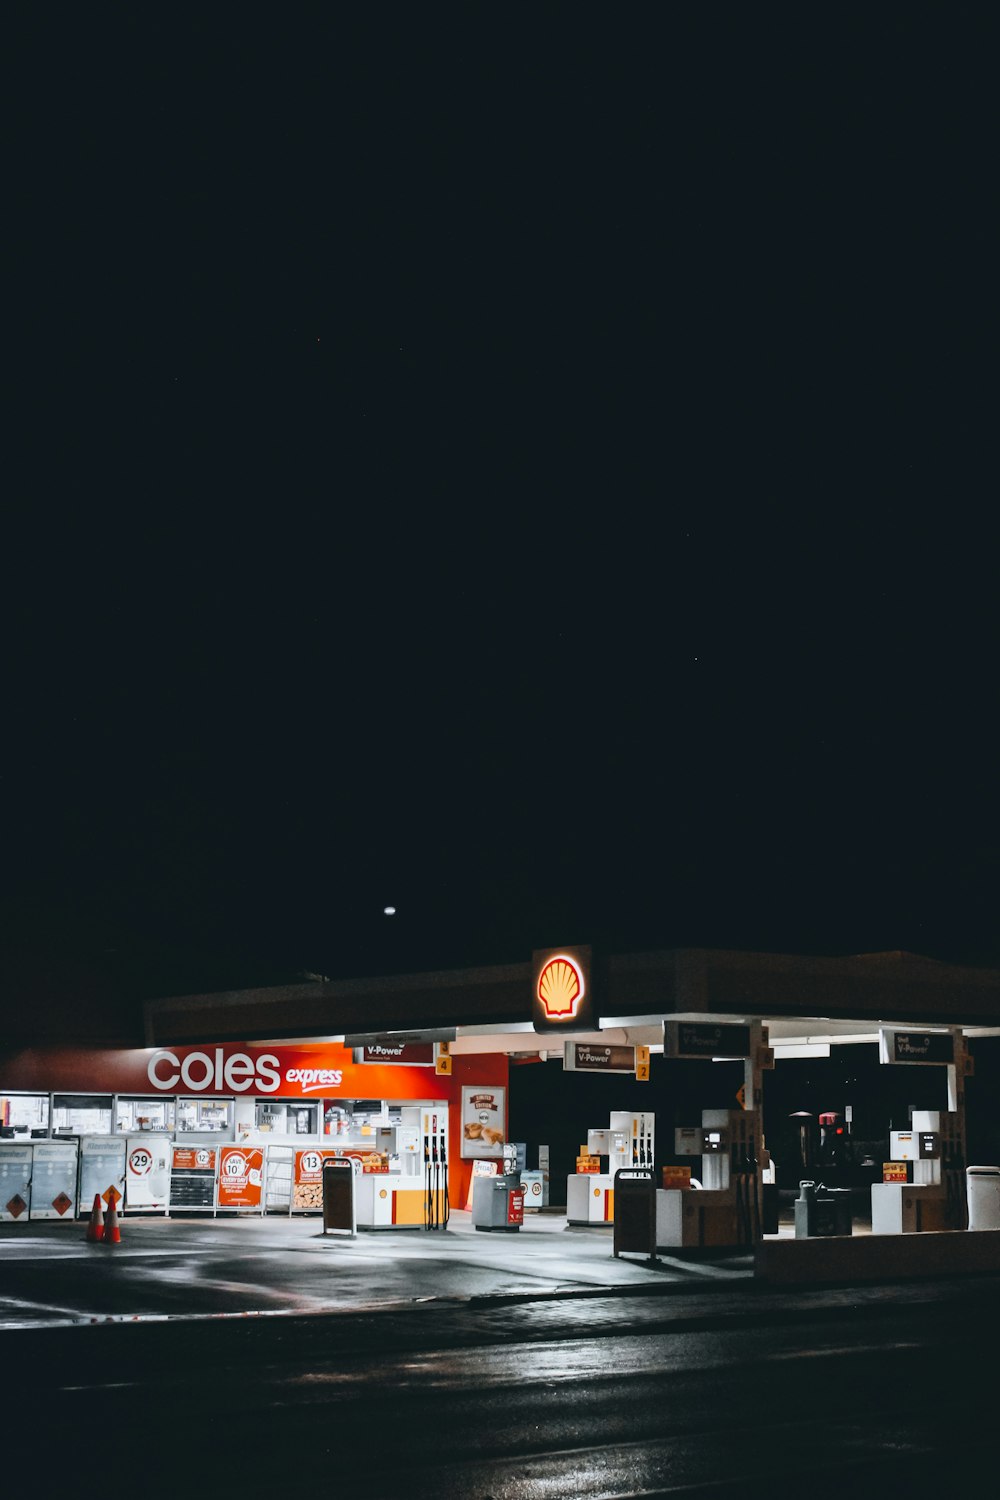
{"type": "Point", "coordinates": [145, 1114]}
{"type": "Point", "coordinates": [277, 1117]}
{"type": "Point", "coordinates": [81, 1114]}
{"type": "Point", "coordinates": [204, 1114]}
{"type": "Point", "coordinates": [355, 1122]}
{"type": "Point", "coordinates": [20, 1114]}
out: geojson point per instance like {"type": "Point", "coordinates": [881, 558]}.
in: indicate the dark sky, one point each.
{"type": "Point", "coordinates": [536, 473]}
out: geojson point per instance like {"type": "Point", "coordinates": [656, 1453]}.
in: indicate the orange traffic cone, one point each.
{"type": "Point", "coordinates": [95, 1229]}
{"type": "Point", "coordinates": [112, 1234]}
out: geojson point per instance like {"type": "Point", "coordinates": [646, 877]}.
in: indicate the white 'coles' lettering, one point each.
{"type": "Point", "coordinates": [201, 1071]}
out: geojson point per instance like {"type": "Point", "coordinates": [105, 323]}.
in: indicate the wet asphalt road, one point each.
{"type": "Point", "coordinates": [661, 1384]}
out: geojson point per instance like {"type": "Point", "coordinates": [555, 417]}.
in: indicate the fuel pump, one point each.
{"type": "Point", "coordinates": [437, 1209]}
{"type": "Point", "coordinates": [934, 1197]}
{"type": "Point", "coordinates": [444, 1204]}
{"type": "Point", "coordinates": [726, 1208]}
{"type": "Point", "coordinates": [743, 1169]}
{"type": "Point", "coordinates": [642, 1140]}
{"type": "Point", "coordinates": [953, 1169]}
{"type": "Point", "coordinates": [626, 1142]}
{"type": "Point", "coordinates": [428, 1178]}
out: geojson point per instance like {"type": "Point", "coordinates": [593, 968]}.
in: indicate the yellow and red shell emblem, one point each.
{"type": "Point", "coordinates": [560, 988]}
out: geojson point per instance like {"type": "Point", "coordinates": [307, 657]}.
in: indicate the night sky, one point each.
{"type": "Point", "coordinates": [536, 473]}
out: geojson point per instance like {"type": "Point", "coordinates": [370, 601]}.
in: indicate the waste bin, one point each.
{"type": "Point", "coordinates": [983, 1185]}
{"type": "Point", "coordinates": [498, 1203]}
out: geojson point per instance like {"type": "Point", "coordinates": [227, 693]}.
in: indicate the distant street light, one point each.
{"type": "Point", "coordinates": [390, 911]}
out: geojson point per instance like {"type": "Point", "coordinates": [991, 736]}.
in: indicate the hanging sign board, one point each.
{"type": "Point", "coordinates": [920, 1047]}
{"type": "Point", "coordinates": [591, 1057]}
{"type": "Point", "coordinates": [192, 1177]}
{"type": "Point", "coordinates": [399, 1054]}
{"type": "Point", "coordinates": [241, 1176]}
{"type": "Point", "coordinates": [484, 1122]}
{"type": "Point", "coordinates": [442, 1058]}
{"type": "Point", "coordinates": [688, 1039]}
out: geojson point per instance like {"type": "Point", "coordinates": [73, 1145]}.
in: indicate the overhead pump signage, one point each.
{"type": "Point", "coordinates": [407, 1054]}
{"type": "Point", "coordinates": [927, 1047]}
{"type": "Point", "coordinates": [562, 996]}
{"type": "Point", "coordinates": [584, 1057]}
{"type": "Point", "coordinates": [690, 1039]}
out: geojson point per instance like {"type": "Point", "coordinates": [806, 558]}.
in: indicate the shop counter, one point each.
{"type": "Point", "coordinates": [590, 1198]}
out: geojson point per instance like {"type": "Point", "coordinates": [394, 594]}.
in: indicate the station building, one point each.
{"type": "Point", "coordinates": [724, 1073]}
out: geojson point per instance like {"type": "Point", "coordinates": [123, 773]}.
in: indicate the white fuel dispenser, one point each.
{"type": "Point", "coordinates": [626, 1141]}
{"type": "Point", "coordinates": [725, 1209]}
{"type": "Point", "coordinates": [935, 1197]}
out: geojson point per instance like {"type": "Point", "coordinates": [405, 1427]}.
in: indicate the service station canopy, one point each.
{"type": "Point", "coordinates": [805, 1003]}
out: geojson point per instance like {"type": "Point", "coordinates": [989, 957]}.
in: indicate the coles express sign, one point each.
{"type": "Point", "coordinates": [288, 1072]}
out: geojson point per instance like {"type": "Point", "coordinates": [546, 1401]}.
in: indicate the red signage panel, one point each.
{"type": "Point", "coordinates": [241, 1176]}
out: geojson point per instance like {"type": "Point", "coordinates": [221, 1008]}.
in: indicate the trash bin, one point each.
{"type": "Point", "coordinates": [498, 1203]}
{"type": "Point", "coordinates": [843, 1219]}
{"type": "Point", "coordinates": [983, 1185]}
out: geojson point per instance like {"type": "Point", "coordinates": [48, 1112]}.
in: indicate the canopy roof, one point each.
{"type": "Point", "coordinates": [894, 988]}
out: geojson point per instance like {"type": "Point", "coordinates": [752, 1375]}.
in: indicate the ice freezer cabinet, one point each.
{"type": "Point", "coordinates": [590, 1198]}
{"type": "Point", "coordinates": [102, 1171]}
{"type": "Point", "coordinates": [53, 1179]}
{"type": "Point", "coordinates": [38, 1180]}
{"type": "Point", "coordinates": [15, 1182]}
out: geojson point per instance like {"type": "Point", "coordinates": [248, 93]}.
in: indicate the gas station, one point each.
{"type": "Point", "coordinates": [547, 1086]}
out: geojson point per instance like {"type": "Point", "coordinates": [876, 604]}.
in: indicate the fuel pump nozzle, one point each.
{"type": "Point", "coordinates": [445, 1203]}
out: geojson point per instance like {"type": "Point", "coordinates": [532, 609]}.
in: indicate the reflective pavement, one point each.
{"type": "Point", "coordinates": [196, 1267]}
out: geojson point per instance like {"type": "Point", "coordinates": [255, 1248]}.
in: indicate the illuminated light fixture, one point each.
{"type": "Point", "coordinates": [389, 911]}
{"type": "Point", "coordinates": [560, 988]}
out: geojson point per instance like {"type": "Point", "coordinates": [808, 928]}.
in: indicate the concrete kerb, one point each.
{"type": "Point", "coordinates": [843, 1260]}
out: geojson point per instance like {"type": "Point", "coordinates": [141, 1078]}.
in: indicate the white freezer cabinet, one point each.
{"type": "Point", "coordinates": [697, 1217]}
{"type": "Point", "coordinates": [908, 1208]}
{"type": "Point", "coordinates": [590, 1198]}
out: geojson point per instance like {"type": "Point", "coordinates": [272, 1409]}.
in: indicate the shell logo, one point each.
{"type": "Point", "coordinates": [560, 988]}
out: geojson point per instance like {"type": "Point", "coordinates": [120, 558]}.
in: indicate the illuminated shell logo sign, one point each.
{"type": "Point", "coordinates": [560, 989]}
